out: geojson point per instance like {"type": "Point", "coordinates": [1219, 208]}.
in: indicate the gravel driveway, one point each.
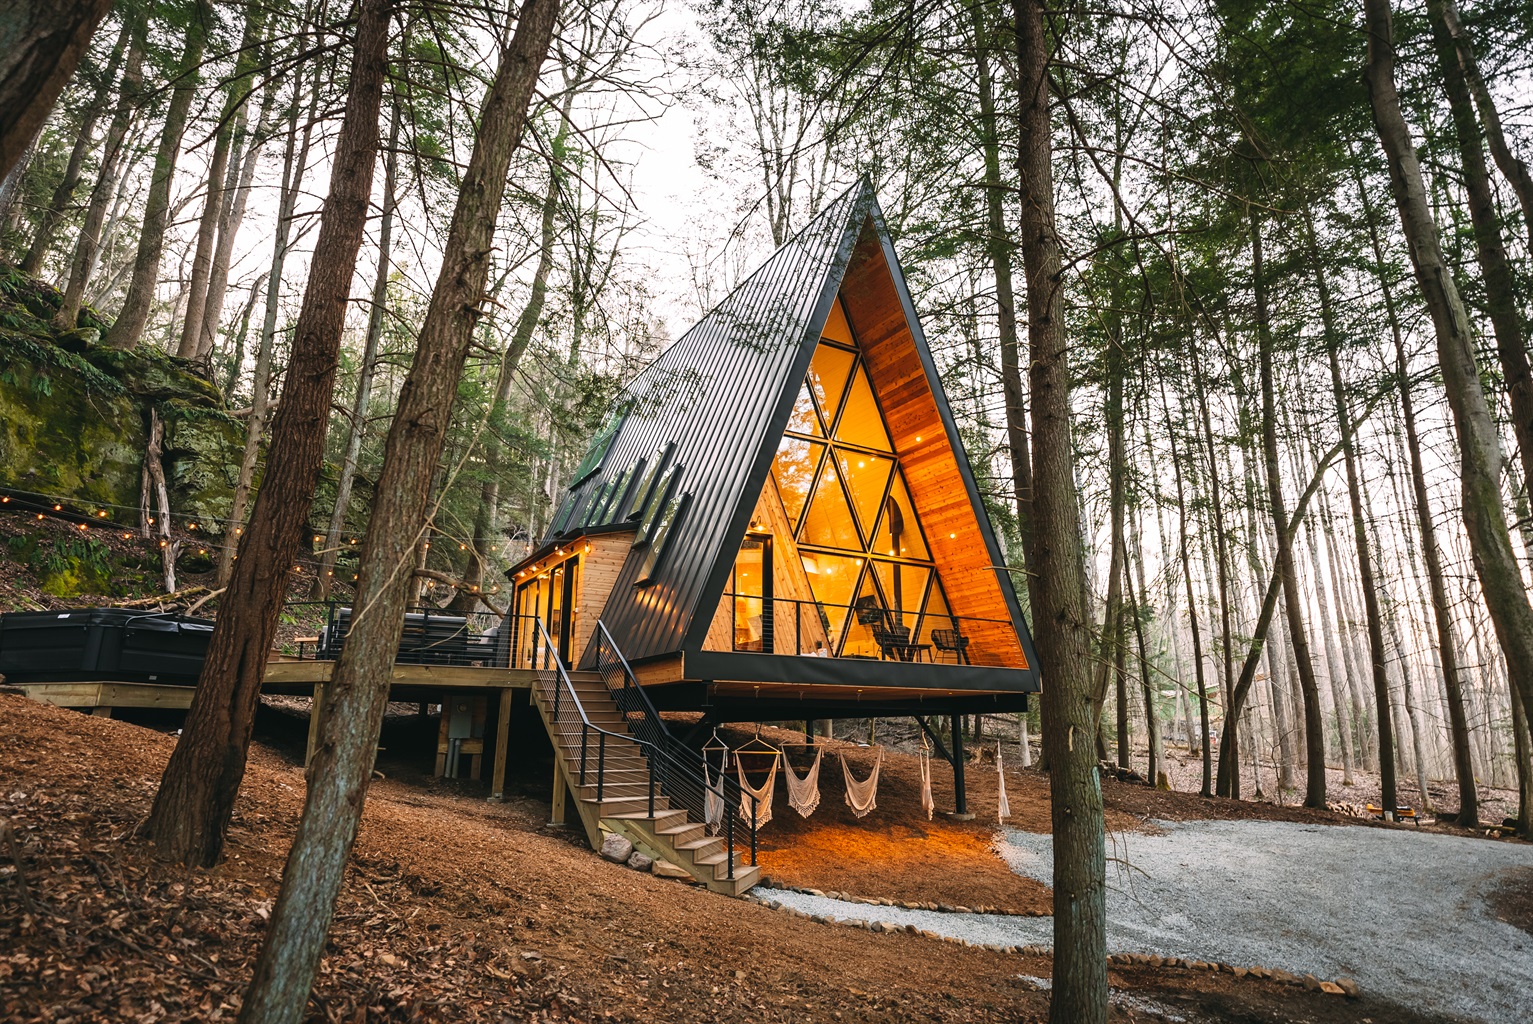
{"type": "Point", "coordinates": [1402, 912]}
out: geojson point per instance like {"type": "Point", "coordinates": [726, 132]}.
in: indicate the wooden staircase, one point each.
{"type": "Point", "coordinates": [624, 804]}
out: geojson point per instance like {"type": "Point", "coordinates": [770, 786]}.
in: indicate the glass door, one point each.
{"type": "Point", "coordinates": [753, 595]}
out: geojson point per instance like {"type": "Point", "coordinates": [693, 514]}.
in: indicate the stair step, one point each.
{"type": "Point", "coordinates": [661, 819]}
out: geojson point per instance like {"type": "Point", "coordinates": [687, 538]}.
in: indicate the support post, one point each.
{"type": "Point", "coordinates": [809, 726]}
{"type": "Point", "coordinates": [502, 746]}
{"type": "Point", "coordinates": [556, 811]}
{"type": "Point", "coordinates": [318, 704]}
{"type": "Point", "coordinates": [101, 711]}
{"type": "Point", "coordinates": [960, 798]}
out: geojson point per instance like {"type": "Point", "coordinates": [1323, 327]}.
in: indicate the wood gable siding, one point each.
{"type": "Point", "coordinates": [938, 487]}
{"type": "Point", "coordinates": [599, 571]}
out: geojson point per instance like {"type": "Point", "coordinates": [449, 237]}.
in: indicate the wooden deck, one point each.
{"type": "Point", "coordinates": [306, 678]}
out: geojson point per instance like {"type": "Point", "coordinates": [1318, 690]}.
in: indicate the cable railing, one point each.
{"type": "Point", "coordinates": [671, 768]}
{"type": "Point", "coordinates": [431, 636]}
{"type": "Point", "coordinates": [868, 630]}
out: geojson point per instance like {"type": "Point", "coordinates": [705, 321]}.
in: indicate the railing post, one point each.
{"type": "Point", "coordinates": [652, 789]}
{"type": "Point", "coordinates": [585, 733]}
{"type": "Point", "coordinates": [753, 830]}
{"type": "Point", "coordinates": [729, 836]}
{"type": "Point", "coordinates": [601, 767]}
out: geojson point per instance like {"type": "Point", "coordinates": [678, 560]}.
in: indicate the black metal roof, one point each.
{"type": "Point", "coordinates": [714, 406]}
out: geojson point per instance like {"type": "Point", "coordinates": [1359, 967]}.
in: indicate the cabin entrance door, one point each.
{"type": "Point", "coordinates": [552, 598]}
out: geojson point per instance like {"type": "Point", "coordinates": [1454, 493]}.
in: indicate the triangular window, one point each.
{"type": "Point", "coordinates": [899, 532]}
{"type": "Point", "coordinates": [866, 477]}
{"type": "Point", "coordinates": [904, 586]}
{"type": "Point", "coordinates": [861, 423]}
{"type": "Point", "coordinates": [828, 374]}
{"type": "Point", "coordinates": [803, 419]}
{"type": "Point", "coordinates": [828, 522]}
{"type": "Point", "coordinates": [836, 326]}
{"type": "Point", "coordinates": [793, 469]}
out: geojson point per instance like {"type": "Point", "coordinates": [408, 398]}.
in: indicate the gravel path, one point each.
{"type": "Point", "coordinates": [1402, 912]}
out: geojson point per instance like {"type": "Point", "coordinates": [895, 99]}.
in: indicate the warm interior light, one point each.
{"type": "Point", "coordinates": [918, 438]}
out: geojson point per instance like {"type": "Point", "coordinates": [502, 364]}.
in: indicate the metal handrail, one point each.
{"type": "Point", "coordinates": [679, 766]}
{"type": "Point", "coordinates": [668, 772]}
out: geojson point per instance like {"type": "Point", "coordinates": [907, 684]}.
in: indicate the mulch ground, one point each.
{"type": "Point", "coordinates": [459, 910]}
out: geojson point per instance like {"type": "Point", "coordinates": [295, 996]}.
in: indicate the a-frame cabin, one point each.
{"type": "Point", "coordinates": [779, 521]}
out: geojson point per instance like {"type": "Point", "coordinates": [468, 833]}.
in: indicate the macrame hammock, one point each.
{"type": "Point", "coordinates": [862, 796]}
{"type": "Point", "coordinates": [713, 794]}
{"type": "Point", "coordinates": [763, 794]}
{"type": "Point", "coordinates": [804, 793]}
{"type": "Point", "coordinates": [1003, 809]}
{"type": "Point", "coordinates": [927, 803]}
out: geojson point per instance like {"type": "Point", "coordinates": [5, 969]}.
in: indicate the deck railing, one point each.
{"type": "Point", "coordinates": [670, 767]}
{"type": "Point", "coordinates": [431, 635]}
{"type": "Point", "coordinates": [867, 630]}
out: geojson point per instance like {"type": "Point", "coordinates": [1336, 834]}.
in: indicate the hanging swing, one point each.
{"type": "Point", "coordinates": [862, 796]}
{"type": "Point", "coordinates": [713, 784]}
{"type": "Point", "coordinates": [763, 793]}
{"type": "Point", "coordinates": [928, 804]}
{"type": "Point", "coordinates": [1003, 809]}
{"type": "Point", "coordinates": [804, 793]}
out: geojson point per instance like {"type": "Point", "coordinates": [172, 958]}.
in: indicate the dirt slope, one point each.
{"type": "Point", "coordinates": [456, 910]}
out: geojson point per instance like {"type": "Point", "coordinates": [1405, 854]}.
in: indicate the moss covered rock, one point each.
{"type": "Point", "coordinates": [74, 415]}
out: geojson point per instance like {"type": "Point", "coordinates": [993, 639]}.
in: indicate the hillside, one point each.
{"type": "Point", "coordinates": [458, 910]}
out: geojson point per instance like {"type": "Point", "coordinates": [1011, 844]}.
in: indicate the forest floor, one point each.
{"type": "Point", "coordinates": [457, 909]}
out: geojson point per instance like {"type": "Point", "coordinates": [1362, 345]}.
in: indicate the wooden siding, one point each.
{"type": "Point", "coordinates": [937, 487]}
{"type": "Point", "coordinates": [599, 570]}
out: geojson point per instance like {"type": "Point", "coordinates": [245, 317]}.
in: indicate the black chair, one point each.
{"type": "Point", "coordinates": [953, 642]}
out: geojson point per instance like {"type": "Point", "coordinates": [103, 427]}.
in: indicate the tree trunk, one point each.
{"type": "Point", "coordinates": [1055, 581]}
{"type": "Point", "coordinates": [191, 811]}
{"type": "Point", "coordinates": [1151, 715]}
{"type": "Point", "coordinates": [236, 197]}
{"type": "Point", "coordinates": [358, 690]}
{"type": "Point", "coordinates": [89, 240]}
{"type": "Point", "coordinates": [1314, 725]}
{"type": "Point", "coordinates": [1204, 730]}
{"type": "Point", "coordinates": [1490, 249]}
{"type": "Point", "coordinates": [41, 41]}
{"type": "Point", "coordinates": [1485, 524]}
{"type": "Point", "coordinates": [156, 489]}
{"type": "Point", "coordinates": [129, 326]}
{"type": "Point", "coordinates": [998, 248]}
{"type": "Point", "coordinates": [293, 169]}
{"type": "Point", "coordinates": [357, 429]}
{"type": "Point", "coordinates": [64, 193]}
{"type": "Point", "coordinates": [1367, 580]}
{"type": "Point", "coordinates": [521, 337]}
{"type": "Point", "coordinates": [1446, 19]}
{"type": "Point", "coordinates": [221, 178]}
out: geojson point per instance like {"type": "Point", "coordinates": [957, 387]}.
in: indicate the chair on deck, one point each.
{"type": "Point", "coordinates": [951, 641]}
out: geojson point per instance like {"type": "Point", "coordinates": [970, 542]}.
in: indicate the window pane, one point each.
{"type": "Point", "coordinates": [803, 419]}
{"type": "Point", "coordinates": [793, 469]}
{"type": "Point", "coordinates": [937, 619]}
{"type": "Point", "coordinates": [866, 477]}
{"type": "Point", "coordinates": [860, 422]}
{"type": "Point", "coordinates": [903, 587]}
{"type": "Point", "coordinates": [833, 578]}
{"type": "Point", "coordinates": [828, 374]}
{"type": "Point", "coordinates": [869, 613]}
{"type": "Point", "coordinates": [828, 522]}
{"type": "Point", "coordinates": [660, 538]}
{"type": "Point", "coordinates": [836, 327]}
{"type": "Point", "coordinates": [899, 532]}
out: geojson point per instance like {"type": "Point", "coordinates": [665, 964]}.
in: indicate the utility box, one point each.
{"type": "Point", "coordinates": [91, 644]}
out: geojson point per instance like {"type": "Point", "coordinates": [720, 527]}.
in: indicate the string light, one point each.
{"type": "Point", "coordinates": [58, 508]}
{"type": "Point", "coordinates": [102, 513]}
